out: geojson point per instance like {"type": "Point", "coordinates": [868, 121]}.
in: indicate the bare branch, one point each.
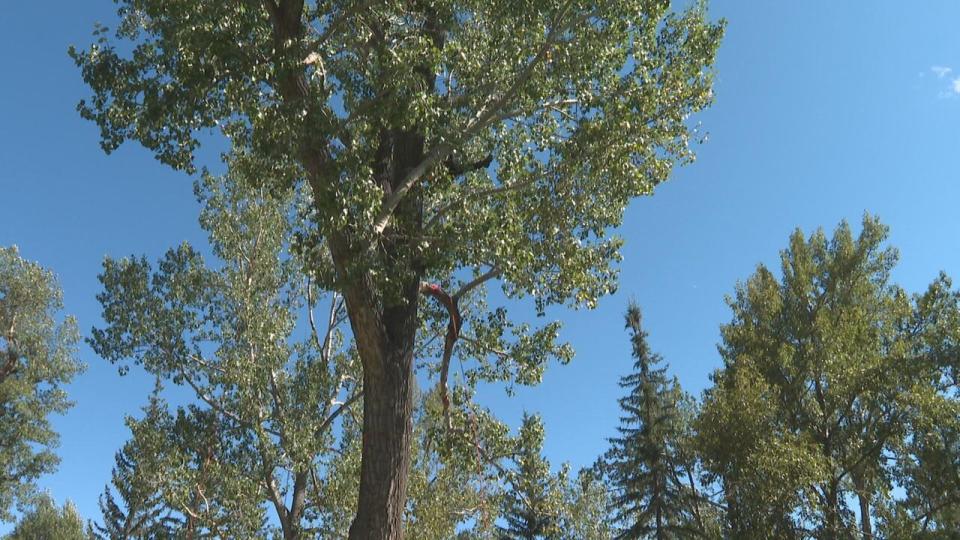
{"type": "Point", "coordinates": [204, 364]}
{"type": "Point", "coordinates": [277, 404]}
{"type": "Point", "coordinates": [333, 416]}
{"type": "Point", "coordinates": [453, 332]}
{"type": "Point", "coordinates": [313, 324]}
{"type": "Point", "coordinates": [276, 497]}
{"type": "Point", "coordinates": [493, 273]}
{"type": "Point", "coordinates": [390, 202]}
{"type": "Point", "coordinates": [333, 320]}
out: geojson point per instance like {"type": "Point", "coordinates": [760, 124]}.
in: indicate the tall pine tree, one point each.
{"type": "Point", "coordinates": [653, 492]}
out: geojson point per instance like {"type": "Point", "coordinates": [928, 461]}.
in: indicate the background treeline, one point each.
{"type": "Point", "coordinates": [835, 413]}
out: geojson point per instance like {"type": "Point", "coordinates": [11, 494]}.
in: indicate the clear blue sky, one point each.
{"type": "Point", "coordinates": [824, 109]}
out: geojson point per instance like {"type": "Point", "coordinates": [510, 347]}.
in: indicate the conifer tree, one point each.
{"type": "Point", "coordinates": [533, 504]}
{"type": "Point", "coordinates": [651, 498]}
{"type": "Point", "coordinates": [134, 508]}
{"type": "Point", "coordinates": [132, 513]}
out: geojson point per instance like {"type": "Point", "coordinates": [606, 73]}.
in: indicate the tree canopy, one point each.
{"type": "Point", "coordinates": [37, 357]}
{"type": "Point", "coordinates": [833, 381]}
{"type": "Point", "coordinates": [46, 521]}
{"type": "Point", "coordinates": [456, 142]}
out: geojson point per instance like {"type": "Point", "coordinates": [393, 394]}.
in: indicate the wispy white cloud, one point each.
{"type": "Point", "coordinates": [941, 71]}
{"type": "Point", "coordinates": [955, 85]}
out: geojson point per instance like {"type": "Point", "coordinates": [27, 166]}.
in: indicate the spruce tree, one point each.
{"type": "Point", "coordinates": [533, 505]}
{"type": "Point", "coordinates": [643, 464]}
{"type": "Point", "coordinates": [134, 508]}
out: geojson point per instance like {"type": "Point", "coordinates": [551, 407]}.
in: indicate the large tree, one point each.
{"type": "Point", "coordinates": [926, 462]}
{"type": "Point", "coordinates": [437, 140]}
{"type": "Point", "coordinates": [37, 357]}
{"type": "Point", "coordinates": [833, 380]}
{"type": "Point", "coordinates": [267, 397]}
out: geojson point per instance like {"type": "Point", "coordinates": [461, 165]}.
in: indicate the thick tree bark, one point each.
{"type": "Point", "coordinates": [385, 458]}
{"type": "Point", "coordinates": [385, 342]}
{"type": "Point", "coordinates": [384, 325]}
{"type": "Point", "coordinates": [385, 339]}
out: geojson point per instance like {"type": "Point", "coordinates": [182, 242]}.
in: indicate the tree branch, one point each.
{"type": "Point", "coordinates": [453, 332]}
{"type": "Point", "coordinates": [483, 118]}
{"type": "Point", "coordinates": [474, 195]}
{"type": "Point", "coordinates": [219, 408]}
{"type": "Point", "coordinates": [333, 416]}
{"type": "Point", "coordinates": [457, 169]}
{"type": "Point", "coordinates": [493, 273]}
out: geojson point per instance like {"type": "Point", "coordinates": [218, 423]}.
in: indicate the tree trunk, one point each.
{"type": "Point", "coordinates": [385, 328]}
{"type": "Point", "coordinates": [832, 511]}
{"type": "Point", "coordinates": [385, 339]}
{"type": "Point", "coordinates": [866, 527]}
{"type": "Point", "coordinates": [387, 429]}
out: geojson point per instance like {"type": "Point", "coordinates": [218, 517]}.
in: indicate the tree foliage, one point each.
{"type": "Point", "coordinates": [651, 474]}
{"type": "Point", "coordinates": [587, 507]}
{"type": "Point", "coordinates": [45, 521]}
{"type": "Point", "coordinates": [37, 357]}
{"type": "Point", "coordinates": [834, 387]}
{"type": "Point", "coordinates": [458, 142]}
{"type": "Point", "coordinates": [135, 508]}
{"type": "Point", "coordinates": [533, 504]}
{"type": "Point", "coordinates": [271, 435]}
{"type": "Point", "coordinates": [267, 397]}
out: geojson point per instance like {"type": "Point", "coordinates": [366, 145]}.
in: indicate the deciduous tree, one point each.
{"type": "Point", "coordinates": [831, 382]}
{"type": "Point", "coordinates": [273, 426]}
{"type": "Point", "coordinates": [588, 503]}
{"type": "Point", "coordinates": [44, 520]}
{"type": "Point", "coordinates": [37, 357]}
{"type": "Point", "coordinates": [453, 142]}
